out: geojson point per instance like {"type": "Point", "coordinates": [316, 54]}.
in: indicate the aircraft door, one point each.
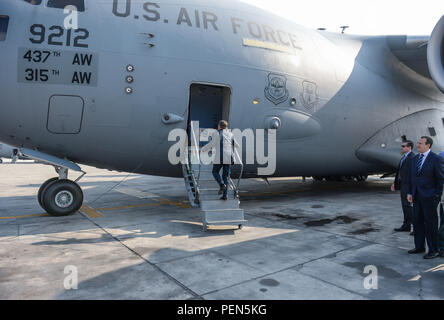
{"type": "Point", "coordinates": [208, 105]}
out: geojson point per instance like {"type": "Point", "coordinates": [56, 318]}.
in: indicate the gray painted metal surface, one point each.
{"type": "Point", "coordinates": [6, 151]}
{"type": "Point", "coordinates": [39, 156]}
{"type": "Point", "coordinates": [344, 101]}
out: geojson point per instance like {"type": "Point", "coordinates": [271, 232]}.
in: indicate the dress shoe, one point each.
{"type": "Point", "coordinates": [222, 189]}
{"type": "Point", "coordinates": [415, 251]}
{"type": "Point", "coordinates": [403, 229]}
{"type": "Point", "coordinates": [431, 255]}
{"type": "Point", "coordinates": [412, 233]}
{"type": "Point", "coordinates": [224, 198]}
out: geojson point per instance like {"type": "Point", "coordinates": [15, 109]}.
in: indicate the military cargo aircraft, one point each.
{"type": "Point", "coordinates": [108, 92]}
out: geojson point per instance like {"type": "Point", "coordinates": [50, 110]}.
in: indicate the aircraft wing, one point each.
{"type": "Point", "coordinates": [422, 54]}
{"type": "Point", "coordinates": [411, 51]}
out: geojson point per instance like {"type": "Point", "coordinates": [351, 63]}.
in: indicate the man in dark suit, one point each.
{"type": "Point", "coordinates": [401, 183]}
{"type": "Point", "coordinates": [425, 189]}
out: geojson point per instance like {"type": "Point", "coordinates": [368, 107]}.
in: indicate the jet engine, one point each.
{"type": "Point", "coordinates": [435, 54]}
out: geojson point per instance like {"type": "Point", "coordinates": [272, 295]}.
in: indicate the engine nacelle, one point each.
{"type": "Point", "coordinates": [435, 54]}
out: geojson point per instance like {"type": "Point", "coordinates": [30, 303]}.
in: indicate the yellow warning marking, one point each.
{"type": "Point", "coordinates": [95, 213]}
{"type": "Point", "coordinates": [26, 216]}
{"type": "Point", "coordinates": [174, 203]}
{"type": "Point", "coordinates": [267, 45]}
{"type": "Point", "coordinates": [161, 202]}
{"type": "Point", "coordinates": [273, 192]}
{"type": "Point", "coordinates": [136, 193]}
{"type": "Point", "coordinates": [130, 207]}
{"type": "Point", "coordinates": [90, 212]}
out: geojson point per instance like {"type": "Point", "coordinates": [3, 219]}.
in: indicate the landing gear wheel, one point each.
{"type": "Point", "coordinates": [240, 227]}
{"type": "Point", "coordinates": [62, 198]}
{"type": "Point", "coordinates": [317, 178]}
{"type": "Point", "coordinates": [362, 178]}
{"type": "Point", "coordinates": [42, 191]}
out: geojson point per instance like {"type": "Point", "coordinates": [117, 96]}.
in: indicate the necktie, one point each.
{"type": "Point", "coordinates": [400, 166]}
{"type": "Point", "coordinates": [419, 164]}
{"type": "Point", "coordinates": [402, 160]}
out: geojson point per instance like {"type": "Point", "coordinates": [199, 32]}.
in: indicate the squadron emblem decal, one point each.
{"type": "Point", "coordinates": [276, 91]}
{"type": "Point", "coordinates": [309, 95]}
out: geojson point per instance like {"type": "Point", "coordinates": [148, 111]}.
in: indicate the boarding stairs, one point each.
{"type": "Point", "coordinates": [203, 191]}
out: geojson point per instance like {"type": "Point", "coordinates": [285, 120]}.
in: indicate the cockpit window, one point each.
{"type": "Point", "coordinates": [34, 2]}
{"type": "Point", "coordinates": [61, 4]}
{"type": "Point", "coordinates": [4, 21]}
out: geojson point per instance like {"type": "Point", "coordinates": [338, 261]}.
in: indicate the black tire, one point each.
{"type": "Point", "coordinates": [62, 198]}
{"type": "Point", "coordinates": [42, 190]}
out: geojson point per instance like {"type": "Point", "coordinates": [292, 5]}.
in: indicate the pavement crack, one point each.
{"type": "Point", "coordinates": [166, 274]}
{"type": "Point", "coordinates": [297, 268]}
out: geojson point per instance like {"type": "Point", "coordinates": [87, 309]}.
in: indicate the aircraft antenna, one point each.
{"type": "Point", "coordinates": [344, 28]}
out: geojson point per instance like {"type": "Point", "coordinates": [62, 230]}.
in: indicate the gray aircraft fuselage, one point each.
{"type": "Point", "coordinates": [6, 151]}
{"type": "Point", "coordinates": [344, 102]}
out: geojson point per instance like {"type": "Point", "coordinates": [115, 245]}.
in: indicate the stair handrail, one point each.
{"type": "Point", "coordinates": [196, 150]}
{"type": "Point", "coordinates": [236, 187]}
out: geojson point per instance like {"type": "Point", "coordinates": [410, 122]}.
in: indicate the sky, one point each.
{"type": "Point", "coordinates": [367, 17]}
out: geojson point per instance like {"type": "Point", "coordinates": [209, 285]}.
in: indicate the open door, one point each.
{"type": "Point", "coordinates": [209, 104]}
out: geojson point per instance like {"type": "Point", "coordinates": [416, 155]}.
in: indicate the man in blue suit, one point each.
{"type": "Point", "coordinates": [425, 190]}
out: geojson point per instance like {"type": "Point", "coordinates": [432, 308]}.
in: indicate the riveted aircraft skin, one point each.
{"type": "Point", "coordinates": [98, 94]}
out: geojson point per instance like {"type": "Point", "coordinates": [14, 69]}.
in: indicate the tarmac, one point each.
{"type": "Point", "coordinates": [137, 237]}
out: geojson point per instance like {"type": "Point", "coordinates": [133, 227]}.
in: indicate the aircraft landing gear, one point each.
{"type": "Point", "coordinates": [42, 190]}
{"type": "Point", "coordinates": [60, 197]}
